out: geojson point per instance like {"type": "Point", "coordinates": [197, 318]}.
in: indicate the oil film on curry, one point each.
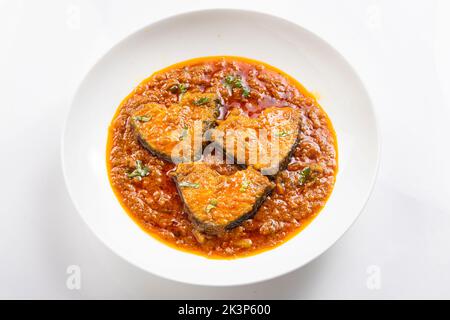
{"type": "Point", "coordinates": [224, 157]}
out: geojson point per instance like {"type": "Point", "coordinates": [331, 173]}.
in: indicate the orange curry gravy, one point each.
{"type": "Point", "coordinates": [154, 202]}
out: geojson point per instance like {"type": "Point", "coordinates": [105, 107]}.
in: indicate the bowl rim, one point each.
{"type": "Point", "coordinates": [215, 11]}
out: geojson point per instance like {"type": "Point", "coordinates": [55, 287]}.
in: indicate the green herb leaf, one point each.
{"type": "Point", "coordinates": [183, 87]}
{"type": "Point", "coordinates": [229, 79]}
{"type": "Point", "coordinates": [179, 88]}
{"type": "Point", "coordinates": [305, 176]}
{"type": "Point", "coordinates": [282, 134]}
{"type": "Point", "coordinates": [201, 101]}
{"type": "Point", "coordinates": [244, 186]}
{"type": "Point", "coordinates": [238, 83]}
{"type": "Point", "coordinates": [232, 81]}
{"type": "Point", "coordinates": [212, 204]}
{"type": "Point", "coordinates": [142, 118]}
{"type": "Point", "coordinates": [187, 184]}
{"type": "Point", "coordinates": [140, 171]}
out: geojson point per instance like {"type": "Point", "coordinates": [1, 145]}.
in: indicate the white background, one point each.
{"type": "Point", "coordinates": [401, 49]}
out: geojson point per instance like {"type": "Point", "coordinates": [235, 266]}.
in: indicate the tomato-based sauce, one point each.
{"type": "Point", "coordinates": [150, 196]}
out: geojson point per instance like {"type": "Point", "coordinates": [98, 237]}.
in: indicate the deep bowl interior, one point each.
{"type": "Point", "coordinates": [277, 42]}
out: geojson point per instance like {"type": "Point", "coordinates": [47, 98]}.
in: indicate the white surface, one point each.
{"type": "Point", "coordinates": [275, 41]}
{"type": "Point", "coordinates": [398, 47]}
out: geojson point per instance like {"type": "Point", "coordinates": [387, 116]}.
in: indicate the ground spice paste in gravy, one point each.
{"type": "Point", "coordinates": [301, 190]}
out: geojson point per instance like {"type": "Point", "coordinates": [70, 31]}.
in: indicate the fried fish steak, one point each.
{"type": "Point", "coordinates": [217, 202]}
{"type": "Point", "coordinates": [175, 133]}
{"type": "Point", "coordinates": [265, 142]}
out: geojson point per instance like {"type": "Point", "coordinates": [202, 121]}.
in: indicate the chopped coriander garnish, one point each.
{"type": "Point", "coordinates": [232, 81]}
{"type": "Point", "coordinates": [244, 186]}
{"type": "Point", "coordinates": [179, 89]}
{"type": "Point", "coordinates": [229, 80]}
{"type": "Point", "coordinates": [305, 176]}
{"type": "Point", "coordinates": [187, 184]}
{"type": "Point", "coordinates": [142, 118]}
{"type": "Point", "coordinates": [212, 204]}
{"type": "Point", "coordinates": [282, 133]}
{"type": "Point", "coordinates": [201, 101]}
{"type": "Point", "coordinates": [238, 83]}
{"type": "Point", "coordinates": [140, 171]}
{"type": "Point", "coordinates": [183, 87]}
{"type": "Point", "coordinates": [229, 83]}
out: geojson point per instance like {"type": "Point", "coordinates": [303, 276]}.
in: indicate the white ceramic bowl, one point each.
{"type": "Point", "coordinates": [280, 43]}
